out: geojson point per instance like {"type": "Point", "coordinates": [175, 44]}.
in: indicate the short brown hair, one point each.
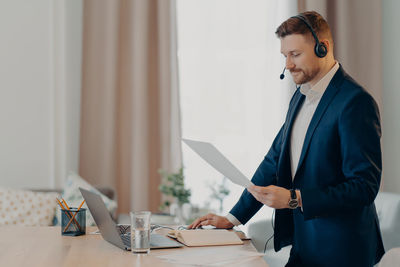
{"type": "Point", "coordinates": [295, 25]}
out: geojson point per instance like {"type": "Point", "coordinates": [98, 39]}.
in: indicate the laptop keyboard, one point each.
{"type": "Point", "coordinates": [126, 238]}
{"type": "Point", "coordinates": [156, 241]}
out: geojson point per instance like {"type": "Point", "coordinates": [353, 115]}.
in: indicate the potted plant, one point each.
{"type": "Point", "coordinates": [173, 185]}
{"type": "Point", "coordinates": [219, 192]}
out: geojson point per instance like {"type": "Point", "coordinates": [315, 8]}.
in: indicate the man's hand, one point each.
{"type": "Point", "coordinates": [273, 196]}
{"type": "Point", "coordinates": [211, 219]}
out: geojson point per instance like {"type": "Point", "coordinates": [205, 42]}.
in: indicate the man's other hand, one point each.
{"type": "Point", "coordinates": [211, 219]}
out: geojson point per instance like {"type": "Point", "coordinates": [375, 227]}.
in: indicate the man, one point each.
{"type": "Point", "coordinates": [323, 170]}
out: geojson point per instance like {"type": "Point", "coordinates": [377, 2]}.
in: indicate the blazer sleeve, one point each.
{"type": "Point", "coordinates": [265, 175]}
{"type": "Point", "coordinates": [359, 132]}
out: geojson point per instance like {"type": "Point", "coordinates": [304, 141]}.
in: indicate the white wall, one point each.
{"type": "Point", "coordinates": [39, 91]}
{"type": "Point", "coordinates": [391, 96]}
{"type": "Point", "coordinates": [40, 61]}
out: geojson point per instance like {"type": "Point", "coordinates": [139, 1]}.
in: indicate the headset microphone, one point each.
{"type": "Point", "coordinates": [282, 76]}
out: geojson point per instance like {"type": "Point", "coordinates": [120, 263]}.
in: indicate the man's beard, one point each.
{"type": "Point", "coordinates": [303, 77]}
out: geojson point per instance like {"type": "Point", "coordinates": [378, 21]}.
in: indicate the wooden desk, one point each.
{"type": "Point", "coordinates": [44, 246]}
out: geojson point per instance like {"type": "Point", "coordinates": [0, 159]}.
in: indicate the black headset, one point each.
{"type": "Point", "coordinates": [320, 48]}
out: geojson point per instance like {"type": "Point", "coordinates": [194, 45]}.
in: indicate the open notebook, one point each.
{"type": "Point", "coordinates": [197, 238]}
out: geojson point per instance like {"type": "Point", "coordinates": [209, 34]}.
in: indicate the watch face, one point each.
{"type": "Point", "coordinates": [293, 203]}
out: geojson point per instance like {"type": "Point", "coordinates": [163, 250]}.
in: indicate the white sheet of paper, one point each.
{"type": "Point", "coordinates": [212, 156]}
{"type": "Point", "coordinates": [209, 257]}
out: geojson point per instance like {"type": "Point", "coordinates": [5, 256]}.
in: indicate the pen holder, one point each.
{"type": "Point", "coordinates": [73, 222]}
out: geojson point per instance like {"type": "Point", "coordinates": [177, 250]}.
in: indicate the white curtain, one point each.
{"type": "Point", "coordinates": [231, 94]}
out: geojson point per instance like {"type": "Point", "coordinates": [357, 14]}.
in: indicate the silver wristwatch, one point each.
{"type": "Point", "coordinates": [293, 202]}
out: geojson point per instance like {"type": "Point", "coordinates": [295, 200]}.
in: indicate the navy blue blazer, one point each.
{"type": "Point", "coordinates": [338, 175]}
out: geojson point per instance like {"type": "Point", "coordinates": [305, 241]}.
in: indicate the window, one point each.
{"type": "Point", "coordinates": [230, 91]}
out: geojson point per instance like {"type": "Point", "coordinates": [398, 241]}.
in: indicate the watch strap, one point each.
{"type": "Point", "coordinates": [293, 194]}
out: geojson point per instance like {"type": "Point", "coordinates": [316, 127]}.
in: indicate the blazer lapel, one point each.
{"type": "Point", "coordinates": [298, 100]}
{"type": "Point", "coordinates": [284, 169]}
{"type": "Point", "coordinates": [326, 99]}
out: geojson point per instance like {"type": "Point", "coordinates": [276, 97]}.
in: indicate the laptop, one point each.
{"type": "Point", "coordinates": [108, 227]}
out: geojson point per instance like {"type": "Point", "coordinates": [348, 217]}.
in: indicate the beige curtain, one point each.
{"type": "Point", "coordinates": [357, 32]}
{"type": "Point", "coordinates": [130, 125]}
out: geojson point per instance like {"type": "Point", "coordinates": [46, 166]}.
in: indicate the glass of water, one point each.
{"type": "Point", "coordinates": [140, 232]}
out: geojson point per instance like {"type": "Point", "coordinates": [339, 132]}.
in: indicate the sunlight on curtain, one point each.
{"type": "Point", "coordinates": [230, 91]}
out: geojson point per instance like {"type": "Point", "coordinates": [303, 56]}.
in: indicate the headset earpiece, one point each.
{"type": "Point", "coordinates": [320, 49]}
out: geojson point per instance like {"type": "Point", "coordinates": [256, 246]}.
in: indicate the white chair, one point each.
{"type": "Point", "coordinates": [391, 258]}
{"type": "Point", "coordinates": [388, 209]}
{"type": "Point", "coordinates": [261, 231]}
